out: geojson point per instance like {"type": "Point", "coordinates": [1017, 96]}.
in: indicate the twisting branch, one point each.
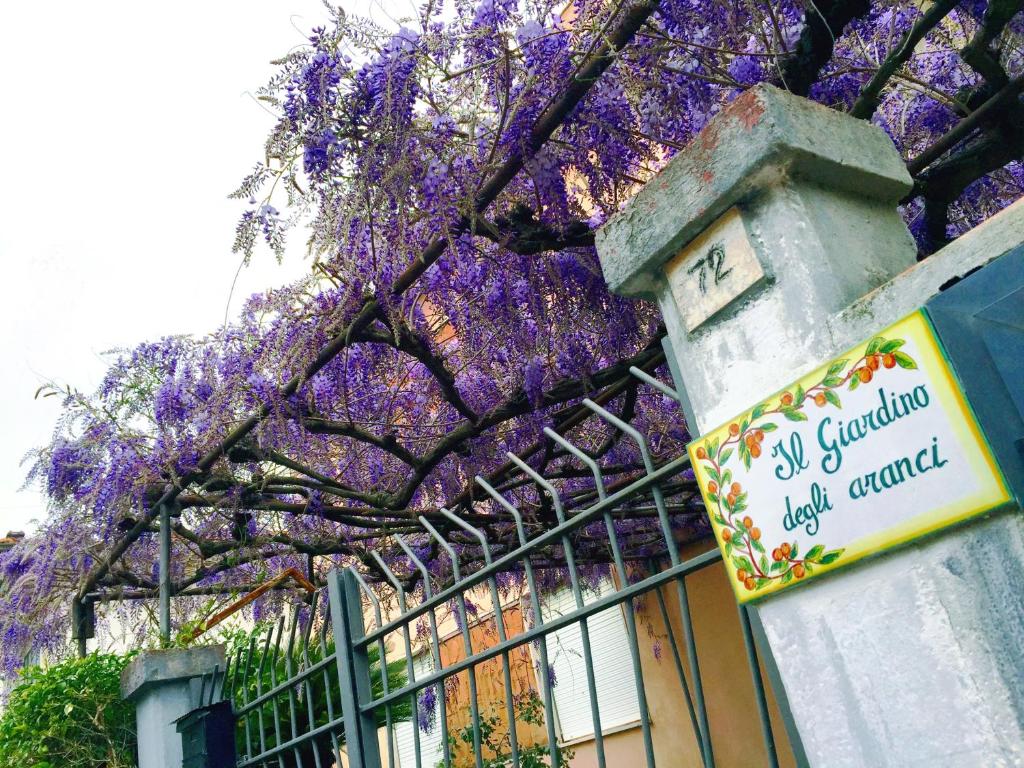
{"type": "Point", "coordinates": [521, 232]}
{"type": "Point", "coordinates": [550, 120]}
{"type": "Point", "coordinates": [977, 54]}
{"type": "Point", "coordinates": [518, 404]}
{"type": "Point", "coordinates": [824, 21]}
{"type": "Point", "coordinates": [388, 443]}
{"type": "Point", "coordinates": [987, 112]}
{"type": "Point", "coordinates": [405, 339]}
{"type": "Point", "coordinates": [867, 102]}
{"type": "Point", "coordinates": [999, 117]}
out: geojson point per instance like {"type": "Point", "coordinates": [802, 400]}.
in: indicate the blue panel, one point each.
{"type": "Point", "coordinates": [980, 322]}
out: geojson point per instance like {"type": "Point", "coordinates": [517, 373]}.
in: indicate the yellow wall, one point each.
{"type": "Point", "coordinates": [728, 690]}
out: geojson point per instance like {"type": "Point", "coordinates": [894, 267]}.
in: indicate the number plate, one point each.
{"type": "Point", "coordinates": [714, 270]}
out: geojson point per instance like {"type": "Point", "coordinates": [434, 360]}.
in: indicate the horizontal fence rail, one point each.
{"type": "Point", "coordinates": [445, 650]}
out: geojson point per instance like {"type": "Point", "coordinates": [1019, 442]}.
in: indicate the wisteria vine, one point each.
{"type": "Point", "coordinates": [450, 173]}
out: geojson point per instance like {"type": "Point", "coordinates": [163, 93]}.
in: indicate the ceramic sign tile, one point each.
{"type": "Point", "coordinates": [872, 450]}
{"type": "Point", "coordinates": [714, 270]}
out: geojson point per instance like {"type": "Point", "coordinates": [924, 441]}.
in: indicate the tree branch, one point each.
{"type": "Point", "coordinates": [388, 443]}
{"type": "Point", "coordinates": [824, 21]}
{"type": "Point", "coordinates": [867, 102]}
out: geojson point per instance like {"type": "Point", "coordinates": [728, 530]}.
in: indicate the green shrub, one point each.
{"type": "Point", "coordinates": [495, 743]}
{"type": "Point", "coordinates": [69, 716]}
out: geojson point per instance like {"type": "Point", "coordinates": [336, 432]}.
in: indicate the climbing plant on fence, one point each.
{"type": "Point", "coordinates": [451, 170]}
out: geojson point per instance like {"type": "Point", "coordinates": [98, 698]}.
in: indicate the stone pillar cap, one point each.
{"type": "Point", "coordinates": [165, 665]}
{"type": "Point", "coordinates": [764, 136]}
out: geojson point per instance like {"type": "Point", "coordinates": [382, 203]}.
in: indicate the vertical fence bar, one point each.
{"type": "Point", "coordinates": [382, 654]}
{"type": "Point", "coordinates": [259, 690]}
{"type": "Point", "coordinates": [273, 684]}
{"type": "Point", "coordinates": [467, 641]}
{"type": "Point", "coordinates": [677, 658]}
{"type": "Point", "coordinates": [289, 673]}
{"type": "Point", "coordinates": [165, 575]}
{"type": "Point", "coordinates": [328, 695]}
{"type": "Point", "coordinates": [309, 690]}
{"type": "Point", "coordinates": [620, 571]}
{"type": "Point", "coordinates": [353, 670]}
{"type": "Point", "coordinates": [245, 696]}
{"type": "Point", "coordinates": [499, 625]}
{"type": "Point", "coordinates": [684, 603]}
{"type": "Point", "coordinates": [759, 693]}
{"type": "Point", "coordinates": [531, 583]}
{"type": "Point", "coordinates": [435, 645]}
{"type": "Point", "coordinates": [410, 664]}
{"type": "Point", "coordinates": [570, 561]}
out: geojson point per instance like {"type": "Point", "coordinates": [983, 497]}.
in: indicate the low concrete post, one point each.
{"type": "Point", "coordinates": [772, 243]}
{"type": "Point", "coordinates": [165, 684]}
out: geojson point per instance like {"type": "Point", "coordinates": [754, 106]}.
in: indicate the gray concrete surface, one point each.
{"type": "Point", "coordinates": [164, 684]}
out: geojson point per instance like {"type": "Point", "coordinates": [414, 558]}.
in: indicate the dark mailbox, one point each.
{"type": "Point", "coordinates": [208, 736]}
{"type": "Point", "coordinates": [980, 321]}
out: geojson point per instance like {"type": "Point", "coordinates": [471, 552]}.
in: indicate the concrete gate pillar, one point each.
{"type": "Point", "coordinates": [165, 684]}
{"type": "Point", "coordinates": [772, 243]}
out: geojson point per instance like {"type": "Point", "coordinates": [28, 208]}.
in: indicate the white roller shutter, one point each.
{"type": "Point", "coordinates": [613, 667]}
{"type": "Point", "coordinates": [430, 741]}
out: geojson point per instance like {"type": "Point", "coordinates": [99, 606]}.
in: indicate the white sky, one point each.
{"type": "Point", "coordinates": [123, 125]}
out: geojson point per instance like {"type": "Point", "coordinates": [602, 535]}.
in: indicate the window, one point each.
{"type": "Point", "coordinates": [613, 666]}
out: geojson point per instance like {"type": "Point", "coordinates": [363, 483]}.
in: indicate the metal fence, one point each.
{"type": "Point", "coordinates": [372, 657]}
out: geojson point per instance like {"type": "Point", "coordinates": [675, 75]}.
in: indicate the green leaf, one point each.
{"type": "Point", "coordinates": [713, 498]}
{"type": "Point", "coordinates": [746, 460]}
{"type": "Point", "coordinates": [758, 411]}
{"type": "Point", "coordinates": [854, 383]}
{"type": "Point", "coordinates": [714, 475]}
{"type": "Point", "coordinates": [787, 577]}
{"type": "Point", "coordinates": [833, 398]}
{"type": "Point", "coordinates": [831, 557]}
{"type": "Point", "coordinates": [742, 564]}
{"type": "Point", "coordinates": [778, 565]}
{"type": "Point", "coordinates": [725, 456]}
{"type": "Point", "coordinates": [759, 547]}
{"type": "Point", "coordinates": [763, 562]}
{"type": "Point", "coordinates": [768, 427]}
{"type": "Point", "coordinates": [874, 344]}
{"type": "Point", "coordinates": [837, 366]}
{"type": "Point", "coordinates": [794, 415]}
{"type": "Point", "coordinates": [891, 346]}
{"type": "Point", "coordinates": [903, 360]}
{"type": "Point", "coordinates": [720, 520]}
{"type": "Point", "coordinates": [727, 477]}
{"type": "Point", "coordinates": [794, 553]}
{"type": "Point", "coordinates": [814, 552]}
{"type": "Point", "coordinates": [831, 381]}
{"type": "Point", "coordinates": [799, 396]}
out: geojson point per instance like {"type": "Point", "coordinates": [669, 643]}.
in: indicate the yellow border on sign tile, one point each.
{"type": "Point", "coordinates": [993, 494]}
